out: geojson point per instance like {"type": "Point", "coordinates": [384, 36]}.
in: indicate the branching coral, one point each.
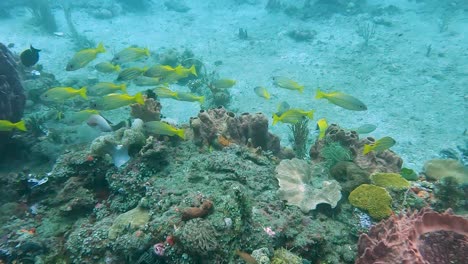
{"type": "Point", "coordinates": [376, 200]}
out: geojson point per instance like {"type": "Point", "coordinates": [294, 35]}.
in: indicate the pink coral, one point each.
{"type": "Point", "coordinates": [421, 237]}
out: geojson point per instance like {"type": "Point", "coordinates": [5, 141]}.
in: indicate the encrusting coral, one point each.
{"type": "Point", "coordinates": [374, 199]}
{"type": "Point", "coordinates": [301, 185]}
{"type": "Point", "coordinates": [391, 181]}
{"type": "Point", "coordinates": [133, 219]}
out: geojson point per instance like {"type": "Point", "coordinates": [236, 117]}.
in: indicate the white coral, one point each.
{"type": "Point", "coordinates": [300, 188]}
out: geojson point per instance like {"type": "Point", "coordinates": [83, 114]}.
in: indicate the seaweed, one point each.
{"type": "Point", "coordinates": [42, 15]}
{"type": "Point", "coordinates": [366, 31]}
{"type": "Point", "coordinates": [333, 153]}
{"type": "Point", "coordinates": [300, 134]}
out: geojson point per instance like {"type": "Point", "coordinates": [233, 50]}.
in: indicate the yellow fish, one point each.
{"type": "Point", "coordinates": [83, 57]}
{"type": "Point", "coordinates": [107, 67]}
{"type": "Point", "coordinates": [6, 125]}
{"type": "Point", "coordinates": [60, 94]}
{"type": "Point", "coordinates": [292, 116]}
{"type": "Point", "coordinates": [343, 100]}
{"type": "Point", "coordinates": [286, 83]}
{"type": "Point", "coordinates": [130, 54]}
{"type": "Point", "coordinates": [223, 83]}
{"type": "Point", "coordinates": [379, 145]}
{"type": "Point", "coordinates": [322, 126]}
{"type": "Point", "coordinates": [185, 72]}
{"type": "Point", "coordinates": [115, 100]}
{"type": "Point", "coordinates": [131, 73]}
{"type": "Point", "coordinates": [107, 88]}
{"type": "Point", "coordinates": [76, 118]}
{"type": "Point", "coordinates": [262, 92]}
{"type": "Point", "coordinates": [188, 97]}
{"type": "Point", "coordinates": [165, 92]}
{"type": "Point", "coordinates": [147, 81]}
{"type": "Point", "coordinates": [161, 128]}
{"type": "Point", "coordinates": [159, 71]}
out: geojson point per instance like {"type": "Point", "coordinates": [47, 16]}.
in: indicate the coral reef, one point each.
{"type": "Point", "coordinates": [419, 237]}
{"type": "Point", "coordinates": [376, 200]}
{"type": "Point", "coordinates": [150, 111]}
{"type": "Point", "coordinates": [246, 129]}
{"type": "Point", "coordinates": [130, 221]}
{"type": "Point", "coordinates": [439, 168]}
{"type": "Point", "coordinates": [449, 194]}
{"type": "Point", "coordinates": [199, 237]}
{"type": "Point", "coordinates": [349, 175]}
{"type": "Point", "coordinates": [391, 181]}
{"type": "Point", "coordinates": [196, 212]}
{"type": "Point", "coordinates": [302, 185]}
{"type": "Point", "coordinates": [385, 161]}
{"type": "Point", "coordinates": [300, 135]}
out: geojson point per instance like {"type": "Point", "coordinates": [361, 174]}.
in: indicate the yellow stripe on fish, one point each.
{"type": "Point", "coordinates": [379, 145]}
{"type": "Point", "coordinates": [83, 57]}
{"type": "Point", "coordinates": [131, 73]}
{"type": "Point", "coordinates": [322, 126]}
{"type": "Point", "coordinates": [343, 100]}
{"type": "Point", "coordinates": [107, 88]}
{"type": "Point", "coordinates": [262, 92]}
{"type": "Point", "coordinates": [107, 67]}
{"type": "Point", "coordinates": [60, 94]}
{"type": "Point", "coordinates": [287, 83]}
{"type": "Point", "coordinates": [6, 125]}
{"type": "Point", "coordinates": [114, 101]}
{"type": "Point", "coordinates": [130, 54]}
{"type": "Point", "coordinates": [162, 128]}
{"type": "Point", "coordinates": [292, 116]}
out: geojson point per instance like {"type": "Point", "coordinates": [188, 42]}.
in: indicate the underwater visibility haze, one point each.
{"type": "Point", "coordinates": [233, 131]}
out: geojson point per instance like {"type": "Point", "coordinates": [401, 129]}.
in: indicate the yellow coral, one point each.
{"type": "Point", "coordinates": [376, 200]}
{"type": "Point", "coordinates": [392, 181]}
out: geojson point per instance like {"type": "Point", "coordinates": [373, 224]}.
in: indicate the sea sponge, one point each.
{"type": "Point", "coordinates": [437, 169]}
{"type": "Point", "coordinates": [376, 200]}
{"type": "Point", "coordinates": [301, 185]}
{"type": "Point", "coordinates": [391, 181]}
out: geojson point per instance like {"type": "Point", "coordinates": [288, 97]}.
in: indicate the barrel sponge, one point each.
{"type": "Point", "coordinates": [374, 199]}
{"type": "Point", "coordinates": [391, 181]}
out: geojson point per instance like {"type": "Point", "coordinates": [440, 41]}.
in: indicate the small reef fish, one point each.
{"type": "Point", "coordinates": [165, 92]}
{"type": "Point", "coordinates": [99, 122]}
{"type": "Point", "coordinates": [185, 72]}
{"type": "Point", "coordinates": [159, 71]}
{"type": "Point", "coordinates": [162, 128]}
{"type": "Point", "coordinates": [146, 81]}
{"type": "Point", "coordinates": [130, 54]}
{"type": "Point", "coordinates": [365, 129]}
{"type": "Point", "coordinates": [322, 126]}
{"type": "Point", "coordinates": [287, 83]}
{"type": "Point", "coordinates": [262, 92]}
{"type": "Point", "coordinates": [83, 57]}
{"type": "Point", "coordinates": [131, 73]}
{"type": "Point", "coordinates": [115, 100]}
{"type": "Point", "coordinates": [6, 125]}
{"type": "Point", "coordinates": [76, 118]}
{"type": "Point", "coordinates": [282, 107]}
{"type": "Point", "coordinates": [107, 88]}
{"type": "Point", "coordinates": [246, 257]}
{"type": "Point", "coordinates": [343, 100]}
{"type": "Point", "coordinates": [107, 67]}
{"type": "Point", "coordinates": [189, 97]}
{"type": "Point", "coordinates": [30, 56]}
{"type": "Point", "coordinates": [223, 83]}
{"type": "Point", "coordinates": [379, 145]}
{"type": "Point", "coordinates": [60, 94]}
{"type": "Point", "coordinates": [292, 116]}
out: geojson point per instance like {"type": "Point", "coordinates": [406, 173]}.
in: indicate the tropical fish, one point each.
{"type": "Point", "coordinates": [322, 126]}
{"type": "Point", "coordinates": [76, 118]}
{"type": "Point", "coordinates": [262, 92]}
{"type": "Point", "coordinates": [246, 257]}
{"type": "Point", "coordinates": [185, 72]}
{"type": "Point", "coordinates": [83, 57]}
{"type": "Point", "coordinates": [159, 71]}
{"type": "Point", "coordinates": [292, 116]}
{"type": "Point", "coordinates": [189, 97]}
{"type": "Point", "coordinates": [107, 67]}
{"type": "Point", "coordinates": [365, 129]}
{"type": "Point", "coordinates": [60, 94]}
{"type": "Point", "coordinates": [161, 128]}
{"type": "Point", "coordinates": [223, 83]}
{"type": "Point", "coordinates": [282, 107]}
{"type": "Point", "coordinates": [343, 100]}
{"type": "Point", "coordinates": [30, 56]}
{"type": "Point", "coordinates": [130, 54]}
{"type": "Point", "coordinates": [286, 83]}
{"type": "Point", "coordinates": [165, 92]}
{"type": "Point", "coordinates": [6, 125]}
{"type": "Point", "coordinates": [147, 81]}
{"type": "Point", "coordinates": [107, 88]}
{"type": "Point", "coordinates": [131, 73]}
{"type": "Point", "coordinates": [99, 122]}
{"type": "Point", "coordinates": [115, 100]}
{"type": "Point", "coordinates": [379, 145]}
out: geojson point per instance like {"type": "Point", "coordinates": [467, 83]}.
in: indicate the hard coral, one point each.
{"type": "Point", "coordinates": [246, 129]}
{"type": "Point", "coordinates": [391, 181]}
{"type": "Point", "coordinates": [376, 200]}
{"type": "Point", "coordinates": [384, 161]}
{"type": "Point", "coordinates": [198, 237]}
{"type": "Point", "coordinates": [421, 237]}
{"type": "Point", "coordinates": [197, 212]}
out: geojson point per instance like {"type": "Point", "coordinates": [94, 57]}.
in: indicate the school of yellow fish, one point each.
{"type": "Point", "coordinates": [110, 95]}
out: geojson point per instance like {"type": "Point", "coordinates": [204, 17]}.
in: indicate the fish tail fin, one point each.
{"type": "Point", "coordinates": [117, 68]}
{"type": "Point", "coordinates": [21, 125]}
{"type": "Point", "coordinates": [266, 94]}
{"type": "Point", "coordinates": [201, 99]}
{"type": "Point", "coordinates": [139, 99]}
{"type": "Point", "coordinates": [82, 92]}
{"type": "Point", "coordinates": [301, 88]}
{"type": "Point", "coordinates": [310, 114]}
{"type": "Point", "coordinates": [193, 70]}
{"type": "Point", "coordinates": [145, 69]}
{"type": "Point", "coordinates": [367, 149]}
{"type": "Point", "coordinates": [319, 94]}
{"type": "Point", "coordinates": [275, 119]}
{"type": "Point", "coordinates": [123, 87]}
{"type": "Point", "coordinates": [147, 52]}
{"type": "Point", "coordinates": [181, 133]}
{"type": "Point", "coordinates": [100, 48]}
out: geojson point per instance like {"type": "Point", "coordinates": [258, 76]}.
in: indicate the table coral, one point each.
{"type": "Point", "coordinates": [301, 185]}
{"type": "Point", "coordinates": [376, 200]}
{"type": "Point", "coordinates": [391, 181]}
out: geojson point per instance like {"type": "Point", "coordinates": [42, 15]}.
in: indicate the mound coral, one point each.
{"type": "Point", "coordinates": [376, 200]}
{"type": "Point", "coordinates": [421, 237]}
{"type": "Point", "coordinates": [391, 181]}
{"type": "Point", "coordinates": [301, 185]}
{"type": "Point", "coordinates": [198, 237]}
{"type": "Point", "coordinates": [439, 168]}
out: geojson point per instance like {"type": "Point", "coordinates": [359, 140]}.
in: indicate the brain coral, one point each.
{"type": "Point", "coordinates": [376, 200]}
{"type": "Point", "coordinates": [392, 181]}
{"type": "Point", "coordinates": [301, 185]}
